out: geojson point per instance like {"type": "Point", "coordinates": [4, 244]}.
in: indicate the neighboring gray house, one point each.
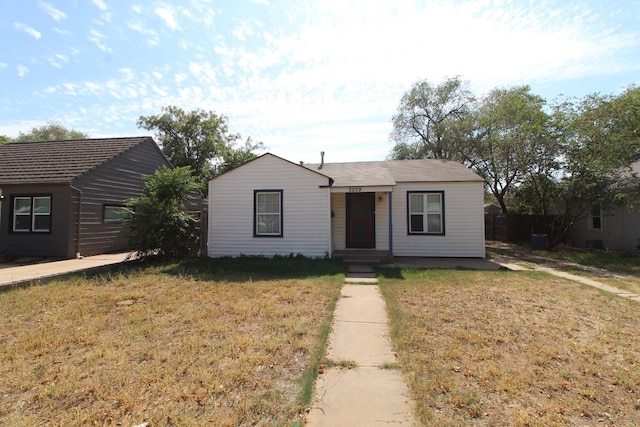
{"type": "Point", "coordinates": [64, 198]}
{"type": "Point", "coordinates": [271, 206]}
{"type": "Point", "coordinates": [614, 227]}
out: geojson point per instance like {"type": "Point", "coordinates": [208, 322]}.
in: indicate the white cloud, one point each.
{"type": "Point", "coordinates": [128, 74]}
{"type": "Point", "coordinates": [52, 11]}
{"type": "Point", "coordinates": [97, 38]}
{"type": "Point", "coordinates": [49, 90]}
{"type": "Point", "coordinates": [63, 32]}
{"type": "Point", "coordinates": [27, 29]}
{"type": "Point", "coordinates": [243, 30]}
{"type": "Point", "coordinates": [158, 90]}
{"type": "Point", "coordinates": [136, 8]}
{"type": "Point", "coordinates": [3, 65]}
{"type": "Point", "coordinates": [157, 75]}
{"type": "Point", "coordinates": [100, 4]}
{"type": "Point", "coordinates": [58, 59]}
{"type": "Point", "coordinates": [70, 88]}
{"type": "Point", "coordinates": [152, 39]}
{"type": "Point", "coordinates": [23, 70]}
{"type": "Point", "coordinates": [204, 72]}
{"type": "Point", "coordinates": [167, 14]}
{"type": "Point", "coordinates": [179, 78]}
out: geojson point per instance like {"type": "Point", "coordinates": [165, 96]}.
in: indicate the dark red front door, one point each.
{"type": "Point", "coordinates": [361, 220]}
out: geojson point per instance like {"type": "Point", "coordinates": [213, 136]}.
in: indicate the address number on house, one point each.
{"type": "Point", "coordinates": [355, 189]}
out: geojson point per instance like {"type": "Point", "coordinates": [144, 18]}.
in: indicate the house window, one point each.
{"type": "Point", "coordinates": [267, 221]}
{"type": "Point", "coordinates": [425, 212]}
{"type": "Point", "coordinates": [115, 213]}
{"type": "Point", "coordinates": [32, 214]}
{"type": "Point", "coordinates": [596, 217]}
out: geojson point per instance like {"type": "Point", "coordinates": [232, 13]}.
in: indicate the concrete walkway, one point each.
{"type": "Point", "coordinates": [373, 393]}
{"type": "Point", "coordinates": [12, 276]}
{"type": "Point", "coordinates": [516, 265]}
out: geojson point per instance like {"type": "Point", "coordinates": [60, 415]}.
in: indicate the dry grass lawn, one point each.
{"type": "Point", "coordinates": [514, 349]}
{"type": "Point", "coordinates": [167, 349]}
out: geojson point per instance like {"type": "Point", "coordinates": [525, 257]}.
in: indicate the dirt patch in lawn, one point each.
{"type": "Point", "coordinates": [515, 349]}
{"type": "Point", "coordinates": [158, 348]}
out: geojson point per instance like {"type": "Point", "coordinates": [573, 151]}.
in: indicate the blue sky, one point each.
{"type": "Point", "coordinates": [300, 76]}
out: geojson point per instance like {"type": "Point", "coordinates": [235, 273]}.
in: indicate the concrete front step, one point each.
{"type": "Point", "coordinates": [359, 268]}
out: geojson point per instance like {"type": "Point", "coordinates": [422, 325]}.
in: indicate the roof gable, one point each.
{"type": "Point", "coordinates": [59, 161]}
{"type": "Point", "coordinates": [270, 156]}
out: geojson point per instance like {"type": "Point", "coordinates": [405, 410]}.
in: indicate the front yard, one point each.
{"type": "Point", "coordinates": [238, 343]}
{"type": "Point", "coordinates": [201, 344]}
{"type": "Point", "coordinates": [514, 349]}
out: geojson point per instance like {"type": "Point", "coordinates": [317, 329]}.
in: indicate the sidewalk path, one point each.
{"type": "Point", "coordinates": [517, 265]}
{"type": "Point", "coordinates": [369, 394]}
{"type": "Point", "coordinates": [16, 276]}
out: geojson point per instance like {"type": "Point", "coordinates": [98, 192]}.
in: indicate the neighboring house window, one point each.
{"type": "Point", "coordinates": [425, 212]}
{"type": "Point", "coordinates": [32, 214]}
{"type": "Point", "coordinates": [115, 213]}
{"type": "Point", "coordinates": [267, 221]}
{"type": "Point", "coordinates": [596, 217]}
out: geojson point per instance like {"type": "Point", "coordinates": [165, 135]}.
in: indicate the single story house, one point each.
{"type": "Point", "coordinates": [614, 227]}
{"type": "Point", "coordinates": [271, 206]}
{"type": "Point", "coordinates": [64, 199]}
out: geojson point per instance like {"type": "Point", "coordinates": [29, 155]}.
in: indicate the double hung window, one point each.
{"type": "Point", "coordinates": [425, 212]}
{"type": "Point", "coordinates": [267, 213]}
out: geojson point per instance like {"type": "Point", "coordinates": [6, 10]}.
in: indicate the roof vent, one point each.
{"type": "Point", "coordinates": [321, 160]}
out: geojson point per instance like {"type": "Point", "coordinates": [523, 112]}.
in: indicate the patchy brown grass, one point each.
{"type": "Point", "coordinates": [165, 349]}
{"type": "Point", "coordinates": [515, 349]}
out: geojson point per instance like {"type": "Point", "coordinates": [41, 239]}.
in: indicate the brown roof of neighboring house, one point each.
{"type": "Point", "coordinates": [58, 161]}
{"type": "Point", "coordinates": [383, 173]}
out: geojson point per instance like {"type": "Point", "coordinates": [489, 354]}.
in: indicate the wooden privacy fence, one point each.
{"type": "Point", "coordinates": [516, 228]}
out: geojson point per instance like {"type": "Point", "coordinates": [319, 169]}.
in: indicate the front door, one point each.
{"type": "Point", "coordinates": [361, 220]}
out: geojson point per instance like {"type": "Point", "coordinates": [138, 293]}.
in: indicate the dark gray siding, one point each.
{"type": "Point", "coordinates": [58, 243]}
{"type": "Point", "coordinates": [113, 183]}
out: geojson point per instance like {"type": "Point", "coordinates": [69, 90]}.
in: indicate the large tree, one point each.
{"type": "Point", "coordinates": [430, 120]}
{"type": "Point", "coordinates": [50, 132]}
{"type": "Point", "coordinates": [598, 140]}
{"type": "Point", "coordinates": [4, 139]}
{"type": "Point", "coordinates": [199, 139]}
{"type": "Point", "coordinates": [510, 139]}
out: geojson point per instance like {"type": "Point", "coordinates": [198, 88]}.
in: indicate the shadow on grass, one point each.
{"type": "Point", "coordinates": [241, 269]}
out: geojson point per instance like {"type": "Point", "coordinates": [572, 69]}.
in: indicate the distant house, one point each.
{"type": "Point", "coordinates": [610, 227]}
{"type": "Point", "coordinates": [64, 198]}
{"type": "Point", "coordinates": [271, 206]}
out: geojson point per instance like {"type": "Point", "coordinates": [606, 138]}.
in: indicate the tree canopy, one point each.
{"type": "Point", "coordinates": [597, 140]}
{"type": "Point", "coordinates": [199, 139]}
{"type": "Point", "coordinates": [429, 120]}
{"type": "Point", "coordinates": [50, 132]}
{"type": "Point", "coordinates": [509, 139]}
{"type": "Point", "coordinates": [557, 159]}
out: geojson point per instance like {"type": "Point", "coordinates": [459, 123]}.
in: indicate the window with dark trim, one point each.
{"type": "Point", "coordinates": [31, 214]}
{"type": "Point", "coordinates": [267, 213]}
{"type": "Point", "coordinates": [114, 213]}
{"type": "Point", "coordinates": [595, 219]}
{"type": "Point", "coordinates": [425, 212]}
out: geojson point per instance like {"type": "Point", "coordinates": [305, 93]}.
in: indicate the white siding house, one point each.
{"type": "Point", "coordinates": [269, 206]}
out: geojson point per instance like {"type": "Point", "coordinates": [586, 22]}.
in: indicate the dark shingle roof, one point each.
{"type": "Point", "coordinates": [383, 173]}
{"type": "Point", "coordinates": [58, 161]}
